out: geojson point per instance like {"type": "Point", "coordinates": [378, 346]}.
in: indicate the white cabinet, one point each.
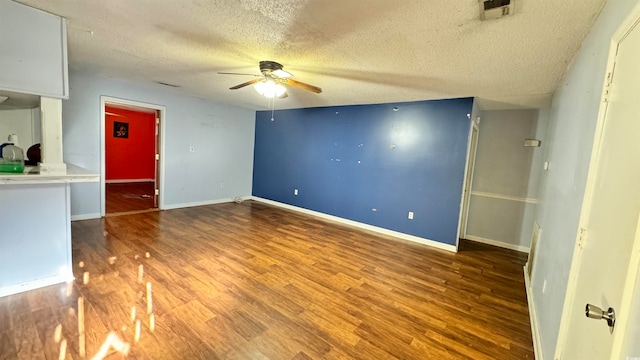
{"type": "Point", "coordinates": [33, 51]}
{"type": "Point", "coordinates": [35, 237]}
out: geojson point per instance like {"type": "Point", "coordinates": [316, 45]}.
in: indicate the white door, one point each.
{"type": "Point", "coordinates": [605, 261]}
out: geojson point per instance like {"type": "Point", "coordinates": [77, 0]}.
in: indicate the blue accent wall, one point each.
{"type": "Point", "coordinates": [347, 161]}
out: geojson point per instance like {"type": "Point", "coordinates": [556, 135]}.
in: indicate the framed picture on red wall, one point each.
{"type": "Point", "coordinates": [121, 130]}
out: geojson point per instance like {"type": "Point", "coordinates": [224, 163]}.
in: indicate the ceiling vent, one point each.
{"type": "Point", "coordinates": [495, 9]}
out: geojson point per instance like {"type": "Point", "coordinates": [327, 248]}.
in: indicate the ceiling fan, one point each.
{"type": "Point", "coordinates": [271, 83]}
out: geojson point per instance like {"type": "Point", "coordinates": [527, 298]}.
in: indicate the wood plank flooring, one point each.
{"type": "Point", "coordinates": [250, 281]}
{"type": "Point", "coordinates": [126, 197]}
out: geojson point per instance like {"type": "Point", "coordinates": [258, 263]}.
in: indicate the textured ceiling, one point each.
{"type": "Point", "coordinates": [357, 51]}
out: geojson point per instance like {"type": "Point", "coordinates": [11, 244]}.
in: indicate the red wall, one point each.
{"type": "Point", "coordinates": [131, 158]}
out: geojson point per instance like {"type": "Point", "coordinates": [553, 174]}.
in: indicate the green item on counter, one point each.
{"type": "Point", "coordinates": [11, 159]}
{"type": "Point", "coordinates": [11, 167]}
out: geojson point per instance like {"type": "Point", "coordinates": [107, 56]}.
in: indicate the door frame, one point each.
{"type": "Point", "coordinates": [474, 132]}
{"type": "Point", "coordinates": [160, 113]}
{"type": "Point", "coordinates": [623, 30]}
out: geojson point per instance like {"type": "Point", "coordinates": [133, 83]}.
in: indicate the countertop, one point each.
{"type": "Point", "coordinates": [32, 175]}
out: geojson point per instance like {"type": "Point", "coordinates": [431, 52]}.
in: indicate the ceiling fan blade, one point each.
{"type": "Point", "coordinates": [250, 82]}
{"type": "Point", "coordinates": [302, 85]}
{"type": "Point", "coordinates": [232, 73]}
{"type": "Point", "coordinates": [282, 74]}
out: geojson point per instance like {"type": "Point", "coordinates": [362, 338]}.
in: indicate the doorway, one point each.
{"type": "Point", "coordinates": [131, 157]}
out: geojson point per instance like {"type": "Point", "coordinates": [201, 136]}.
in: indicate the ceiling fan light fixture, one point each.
{"type": "Point", "coordinates": [280, 90]}
{"type": "Point", "coordinates": [259, 86]}
{"type": "Point", "coordinates": [269, 89]}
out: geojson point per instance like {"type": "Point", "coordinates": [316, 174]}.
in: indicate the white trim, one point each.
{"type": "Point", "coordinates": [536, 233]}
{"type": "Point", "coordinates": [203, 203]}
{"type": "Point", "coordinates": [52, 161]}
{"type": "Point", "coordinates": [35, 284]}
{"type": "Point", "coordinates": [533, 318]}
{"type": "Point", "coordinates": [69, 265]}
{"type": "Point", "coordinates": [497, 243]}
{"type": "Point", "coordinates": [465, 199]}
{"type": "Point", "coordinates": [160, 172]}
{"type": "Point", "coordinates": [504, 197]}
{"type": "Point", "coordinates": [85, 217]}
{"type": "Point", "coordinates": [65, 60]}
{"type": "Point", "coordinates": [623, 30]}
{"type": "Point", "coordinates": [104, 100]}
{"type": "Point", "coordinates": [122, 181]}
{"type": "Point", "coordinates": [399, 235]}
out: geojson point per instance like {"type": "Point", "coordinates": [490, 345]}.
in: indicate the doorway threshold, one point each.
{"type": "Point", "coordinates": [130, 212]}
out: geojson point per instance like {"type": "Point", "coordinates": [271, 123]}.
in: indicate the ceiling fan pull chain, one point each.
{"type": "Point", "coordinates": [273, 107]}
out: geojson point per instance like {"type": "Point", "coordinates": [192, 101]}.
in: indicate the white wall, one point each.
{"type": "Point", "coordinates": [572, 120]}
{"type": "Point", "coordinates": [503, 163]}
{"type": "Point", "coordinates": [222, 136]}
{"type": "Point", "coordinates": [23, 122]}
{"type": "Point", "coordinates": [505, 182]}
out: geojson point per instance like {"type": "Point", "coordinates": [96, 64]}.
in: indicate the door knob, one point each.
{"type": "Point", "coordinates": [594, 312]}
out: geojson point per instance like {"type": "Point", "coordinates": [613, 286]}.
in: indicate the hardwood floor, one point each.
{"type": "Point", "coordinates": [127, 197]}
{"type": "Point", "coordinates": [250, 281]}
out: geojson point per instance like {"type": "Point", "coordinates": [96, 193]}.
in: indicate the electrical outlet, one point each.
{"type": "Point", "coordinates": [192, 148]}
{"type": "Point", "coordinates": [410, 215]}
{"type": "Point", "coordinates": [222, 185]}
{"type": "Point", "coordinates": [295, 192]}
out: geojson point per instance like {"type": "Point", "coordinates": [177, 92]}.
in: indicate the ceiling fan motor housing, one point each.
{"type": "Point", "coordinates": [269, 66]}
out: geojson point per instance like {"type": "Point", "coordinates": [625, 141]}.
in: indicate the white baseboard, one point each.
{"type": "Point", "coordinates": [119, 181]}
{"type": "Point", "coordinates": [497, 243]}
{"type": "Point", "coordinates": [85, 217]}
{"type": "Point", "coordinates": [360, 225]}
{"type": "Point", "coordinates": [35, 284]}
{"type": "Point", "coordinates": [533, 318]}
{"type": "Point", "coordinates": [169, 207]}
{"type": "Point", "coordinates": [203, 203]}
